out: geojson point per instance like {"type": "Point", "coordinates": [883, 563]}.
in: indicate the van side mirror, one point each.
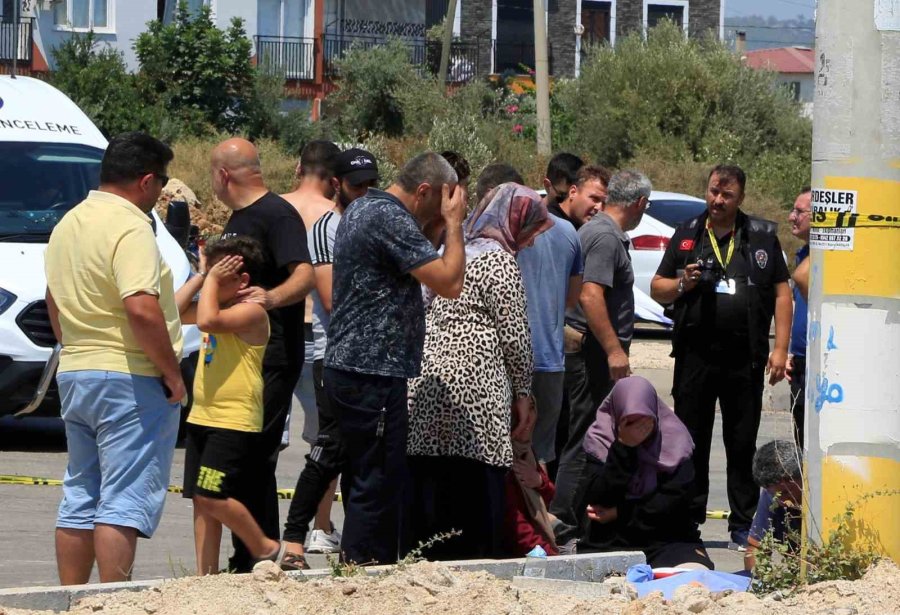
{"type": "Point", "coordinates": [178, 222]}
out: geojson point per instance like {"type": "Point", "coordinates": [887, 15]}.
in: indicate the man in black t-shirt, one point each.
{"type": "Point", "coordinates": [286, 280]}
{"type": "Point", "coordinates": [725, 273]}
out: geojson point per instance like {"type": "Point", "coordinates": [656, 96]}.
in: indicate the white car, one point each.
{"type": "Point", "coordinates": [50, 155]}
{"type": "Point", "coordinates": [650, 239]}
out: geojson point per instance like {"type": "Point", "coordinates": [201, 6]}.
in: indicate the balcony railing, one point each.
{"type": "Point", "coordinates": [16, 46]}
{"type": "Point", "coordinates": [426, 55]}
{"type": "Point", "coordinates": [290, 57]}
{"type": "Point", "coordinates": [295, 58]}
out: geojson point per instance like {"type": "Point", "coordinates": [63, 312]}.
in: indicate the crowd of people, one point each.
{"type": "Point", "coordinates": [470, 366]}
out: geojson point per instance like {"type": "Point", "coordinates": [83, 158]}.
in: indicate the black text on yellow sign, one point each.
{"type": "Point", "coordinates": [846, 219]}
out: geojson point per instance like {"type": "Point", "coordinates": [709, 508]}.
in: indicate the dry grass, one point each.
{"type": "Point", "coordinates": [191, 165]}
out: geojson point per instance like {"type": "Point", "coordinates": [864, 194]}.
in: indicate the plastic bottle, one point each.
{"type": "Point", "coordinates": [535, 563]}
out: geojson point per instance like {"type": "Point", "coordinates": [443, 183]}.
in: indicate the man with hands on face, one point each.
{"type": "Point", "coordinates": [377, 333]}
{"type": "Point", "coordinates": [726, 276]}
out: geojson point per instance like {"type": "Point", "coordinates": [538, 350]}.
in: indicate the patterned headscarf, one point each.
{"type": "Point", "coordinates": [663, 451]}
{"type": "Point", "coordinates": [508, 217]}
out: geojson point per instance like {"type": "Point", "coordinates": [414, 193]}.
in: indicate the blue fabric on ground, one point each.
{"type": "Point", "coordinates": [710, 579]}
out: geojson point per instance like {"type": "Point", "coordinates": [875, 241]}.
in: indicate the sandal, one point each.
{"type": "Point", "coordinates": [294, 561]}
{"type": "Point", "coordinates": [277, 556]}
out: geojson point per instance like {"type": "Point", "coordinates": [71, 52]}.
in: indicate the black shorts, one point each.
{"type": "Point", "coordinates": [216, 460]}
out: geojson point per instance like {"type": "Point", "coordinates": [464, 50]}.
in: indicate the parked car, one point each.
{"type": "Point", "coordinates": [650, 239]}
{"type": "Point", "coordinates": [50, 155]}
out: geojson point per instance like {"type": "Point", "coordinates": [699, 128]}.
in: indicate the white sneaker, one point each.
{"type": "Point", "coordinates": [322, 542]}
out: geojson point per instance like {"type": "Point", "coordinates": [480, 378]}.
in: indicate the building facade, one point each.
{"type": "Point", "coordinates": [301, 39]}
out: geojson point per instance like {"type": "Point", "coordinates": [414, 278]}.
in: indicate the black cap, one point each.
{"type": "Point", "coordinates": [356, 166]}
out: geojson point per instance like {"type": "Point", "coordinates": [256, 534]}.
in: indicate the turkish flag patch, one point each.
{"type": "Point", "coordinates": [686, 245]}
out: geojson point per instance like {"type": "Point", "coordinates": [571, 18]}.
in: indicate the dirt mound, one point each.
{"type": "Point", "coordinates": [432, 589]}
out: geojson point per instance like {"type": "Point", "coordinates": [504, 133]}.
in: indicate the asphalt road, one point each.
{"type": "Point", "coordinates": [36, 447]}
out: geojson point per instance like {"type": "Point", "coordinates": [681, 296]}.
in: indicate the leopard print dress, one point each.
{"type": "Point", "coordinates": [477, 360]}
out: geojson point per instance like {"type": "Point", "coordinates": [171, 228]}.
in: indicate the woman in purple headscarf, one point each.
{"type": "Point", "coordinates": [475, 387]}
{"type": "Point", "coordinates": [638, 483]}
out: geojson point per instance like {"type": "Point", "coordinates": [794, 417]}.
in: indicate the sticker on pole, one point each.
{"type": "Point", "coordinates": [832, 205]}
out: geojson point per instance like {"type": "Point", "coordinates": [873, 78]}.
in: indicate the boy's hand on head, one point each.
{"type": "Point", "coordinates": [227, 266]}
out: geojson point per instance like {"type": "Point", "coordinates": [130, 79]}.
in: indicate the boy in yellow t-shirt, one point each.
{"type": "Point", "coordinates": [227, 415]}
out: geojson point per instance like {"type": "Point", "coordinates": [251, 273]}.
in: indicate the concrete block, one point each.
{"type": "Point", "coordinates": [576, 589]}
{"type": "Point", "coordinates": [63, 598]}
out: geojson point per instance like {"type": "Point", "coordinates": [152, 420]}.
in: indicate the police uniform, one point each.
{"type": "Point", "coordinates": [721, 345]}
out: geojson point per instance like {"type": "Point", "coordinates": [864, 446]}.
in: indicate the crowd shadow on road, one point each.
{"type": "Point", "coordinates": [32, 434]}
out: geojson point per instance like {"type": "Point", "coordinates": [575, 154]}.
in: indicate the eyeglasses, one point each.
{"type": "Point", "coordinates": [799, 212]}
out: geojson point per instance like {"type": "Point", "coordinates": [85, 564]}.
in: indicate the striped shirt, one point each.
{"type": "Point", "coordinates": [320, 239]}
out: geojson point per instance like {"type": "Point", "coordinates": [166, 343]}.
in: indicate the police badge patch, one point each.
{"type": "Point", "coordinates": [762, 258]}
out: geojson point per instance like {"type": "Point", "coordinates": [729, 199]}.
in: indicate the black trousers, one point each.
{"type": "Point", "coordinates": [456, 493]}
{"type": "Point", "coordinates": [798, 399]}
{"type": "Point", "coordinates": [374, 421]}
{"type": "Point", "coordinates": [260, 493]}
{"type": "Point", "coordinates": [324, 463]}
{"type": "Point", "coordinates": [723, 371]}
{"type": "Point", "coordinates": [587, 385]}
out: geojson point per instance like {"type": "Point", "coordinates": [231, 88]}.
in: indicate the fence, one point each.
{"type": "Point", "coordinates": [16, 45]}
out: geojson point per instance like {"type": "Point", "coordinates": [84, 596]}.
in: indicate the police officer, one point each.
{"type": "Point", "coordinates": [726, 276]}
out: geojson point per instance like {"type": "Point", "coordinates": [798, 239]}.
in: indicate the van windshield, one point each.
{"type": "Point", "coordinates": [39, 183]}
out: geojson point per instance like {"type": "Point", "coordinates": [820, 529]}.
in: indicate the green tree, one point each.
{"type": "Point", "coordinates": [199, 73]}
{"type": "Point", "coordinates": [366, 102]}
{"type": "Point", "coordinates": [96, 79]}
{"type": "Point", "coordinates": [682, 99]}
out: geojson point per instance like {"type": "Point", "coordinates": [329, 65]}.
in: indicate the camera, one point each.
{"type": "Point", "coordinates": [710, 272]}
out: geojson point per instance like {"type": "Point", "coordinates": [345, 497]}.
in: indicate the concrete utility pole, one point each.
{"type": "Point", "coordinates": [542, 79]}
{"type": "Point", "coordinates": [853, 356]}
{"type": "Point", "coordinates": [448, 40]}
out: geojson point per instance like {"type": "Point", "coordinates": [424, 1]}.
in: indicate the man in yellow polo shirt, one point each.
{"type": "Point", "coordinates": [112, 305]}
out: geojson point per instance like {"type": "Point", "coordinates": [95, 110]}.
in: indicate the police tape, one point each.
{"type": "Point", "coordinates": [846, 219]}
{"type": "Point", "coordinates": [283, 494]}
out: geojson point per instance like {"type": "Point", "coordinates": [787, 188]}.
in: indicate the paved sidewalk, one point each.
{"type": "Point", "coordinates": [36, 447]}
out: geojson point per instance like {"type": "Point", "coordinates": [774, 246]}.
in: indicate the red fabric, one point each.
{"type": "Point", "coordinates": [521, 533]}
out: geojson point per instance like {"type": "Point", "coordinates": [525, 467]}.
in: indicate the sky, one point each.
{"type": "Point", "coordinates": [781, 9]}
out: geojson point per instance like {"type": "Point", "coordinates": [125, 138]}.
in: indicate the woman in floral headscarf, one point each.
{"type": "Point", "coordinates": [475, 387]}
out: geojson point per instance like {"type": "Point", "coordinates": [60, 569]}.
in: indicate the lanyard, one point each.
{"type": "Point", "coordinates": [715, 246]}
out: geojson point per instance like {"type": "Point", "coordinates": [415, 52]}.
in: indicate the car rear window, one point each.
{"type": "Point", "coordinates": [673, 212]}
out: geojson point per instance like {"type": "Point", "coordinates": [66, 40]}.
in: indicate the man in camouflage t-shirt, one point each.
{"type": "Point", "coordinates": [376, 336]}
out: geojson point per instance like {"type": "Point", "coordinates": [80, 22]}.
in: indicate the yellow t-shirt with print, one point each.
{"type": "Point", "coordinates": [101, 252]}
{"type": "Point", "coordinates": [228, 384]}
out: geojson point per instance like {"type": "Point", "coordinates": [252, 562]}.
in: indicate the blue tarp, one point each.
{"type": "Point", "coordinates": [641, 578]}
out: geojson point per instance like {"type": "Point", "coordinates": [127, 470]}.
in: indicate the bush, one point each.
{"type": "Point", "coordinates": [844, 554]}
{"type": "Point", "coordinates": [680, 98]}
{"type": "Point", "coordinates": [96, 79]}
{"type": "Point", "coordinates": [365, 102]}
{"type": "Point", "coordinates": [200, 74]}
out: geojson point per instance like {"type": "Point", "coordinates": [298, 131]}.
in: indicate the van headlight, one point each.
{"type": "Point", "coordinates": [6, 300]}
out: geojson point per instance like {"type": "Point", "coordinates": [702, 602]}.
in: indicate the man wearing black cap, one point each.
{"type": "Point", "coordinates": [355, 172]}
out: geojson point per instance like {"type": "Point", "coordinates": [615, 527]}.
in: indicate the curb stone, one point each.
{"type": "Point", "coordinates": [583, 569]}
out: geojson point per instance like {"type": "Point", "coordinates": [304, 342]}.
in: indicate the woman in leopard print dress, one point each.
{"type": "Point", "coordinates": [476, 374]}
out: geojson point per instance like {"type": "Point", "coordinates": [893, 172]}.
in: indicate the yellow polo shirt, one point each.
{"type": "Point", "coordinates": [101, 252]}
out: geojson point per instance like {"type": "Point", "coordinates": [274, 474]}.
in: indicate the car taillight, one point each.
{"type": "Point", "coordinates": [650, 242]}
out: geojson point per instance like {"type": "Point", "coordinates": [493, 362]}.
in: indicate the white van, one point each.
{"type": "Point", "coordinates": [50, 155]}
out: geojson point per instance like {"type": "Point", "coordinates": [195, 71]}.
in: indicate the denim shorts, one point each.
{"type": "Point", "coordinates": [121, 433]}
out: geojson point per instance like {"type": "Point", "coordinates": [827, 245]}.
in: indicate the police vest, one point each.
{"type": "Point", "coordinates": [760, 247]}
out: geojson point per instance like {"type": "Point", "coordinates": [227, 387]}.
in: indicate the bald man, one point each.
{"type": "Point", "coordinates": [288, 277]}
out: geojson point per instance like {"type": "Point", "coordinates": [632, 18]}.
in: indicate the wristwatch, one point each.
{"type": "Point", "coordinates": [681, 286]}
